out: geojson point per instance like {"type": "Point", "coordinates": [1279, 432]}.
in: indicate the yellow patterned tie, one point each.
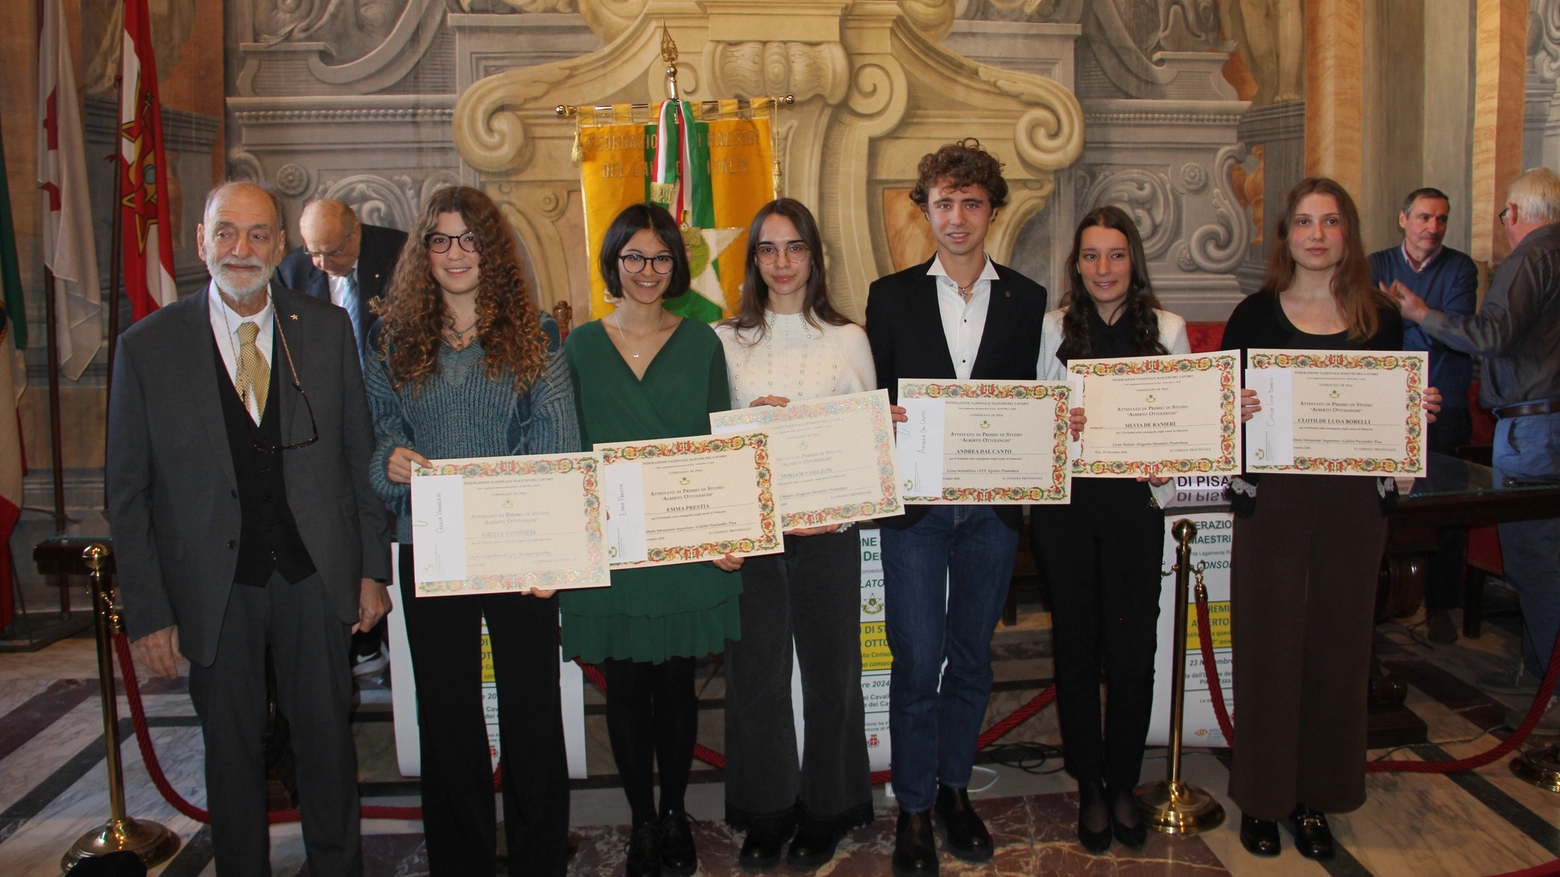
{"type": "Point", "coordinates": [254, 374]}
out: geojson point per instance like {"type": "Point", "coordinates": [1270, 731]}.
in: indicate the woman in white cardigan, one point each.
{"type": "Point", "coordinates": [1101, 554]}
{"type": "Point", "coordinates": [787, 344]}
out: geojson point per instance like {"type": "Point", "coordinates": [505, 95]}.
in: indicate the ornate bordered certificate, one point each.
{"type": "Point", "coordinates": [1337, 412]}
{"type": "Point", "coordinates": [689, 499]}
{"type": "Point", "coordinates": [1160, 415]}
{"type": "Point", "coordinates": [833, 458]}
{"type": "Point", "coordinates": [996, 443]}
{"type": "Point", "coordinates": [494, 524]}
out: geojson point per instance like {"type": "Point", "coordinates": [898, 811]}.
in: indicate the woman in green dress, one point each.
{"type": "Point", "coordinates": [642, 372]}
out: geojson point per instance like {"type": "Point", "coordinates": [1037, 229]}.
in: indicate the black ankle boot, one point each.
{"type": "Point", "coordinates": [765, 839]}
{"type": "Point", "coordinates": [816, 840]}
{"type": "Point", "coordinates": [966, 834]}
{"type": "Point", "coordinates": [1092, 808]}
{"type": "Point", "coordinates": [915, 846]}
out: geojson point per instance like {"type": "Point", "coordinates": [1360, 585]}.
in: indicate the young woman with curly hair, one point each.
{"type": "Point", "coordinates": [645, 373]}
{"type": "Point", "coordinates": [464, 364]}
{"type": "Point", "coordinates": [1307, 548]}
{"type": "Point", "coordinates": [787, 344]}
{"type": "Point", "coordinates": [1102, 553]}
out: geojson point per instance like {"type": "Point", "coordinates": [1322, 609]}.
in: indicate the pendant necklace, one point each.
{"type": "Point", "coordinates": [967, 292]}
{"type": "Point", "coordinates": [617, 320]}
{"type": "Point", "coordinates": [460, 334]}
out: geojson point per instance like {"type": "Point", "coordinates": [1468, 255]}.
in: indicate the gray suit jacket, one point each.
{"type": "Point", "coordinates": [172, 493]}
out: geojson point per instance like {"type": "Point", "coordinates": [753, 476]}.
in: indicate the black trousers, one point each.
{"type": "Point", "coordinates": [457, 778]}
{"type": "Point", "coordinates": [1444, 576]}
{"type": "Point", "coordinates": [809, 596]}
{"type": "Point", "coordinates": [1102, 556]}
{"type": "Point", "coordinates": [1303, 582]}
{"type": "Point", "coordinates": [314, 690]}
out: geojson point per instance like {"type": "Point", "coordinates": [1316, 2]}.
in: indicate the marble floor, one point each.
{"type": "Point", "coordinates": [53, 786]}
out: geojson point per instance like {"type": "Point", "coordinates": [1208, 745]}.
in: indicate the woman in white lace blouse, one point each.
{"type": "Point", "coordinates": [788, 344]}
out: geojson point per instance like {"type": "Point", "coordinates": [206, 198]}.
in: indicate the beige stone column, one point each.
{"type": "Point", "coordinates": [1500, 83]}
{"type": "Point", "coordinates": [1334, 94]}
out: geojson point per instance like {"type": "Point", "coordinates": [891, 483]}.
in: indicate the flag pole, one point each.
{"type": "Point", "coordinates": [55, 443]}
{"type": "Point", "coordinates": [114, 262]}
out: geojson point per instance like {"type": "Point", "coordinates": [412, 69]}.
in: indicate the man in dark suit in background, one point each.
{"type": "Point", "coordinates": [342, 261]}
{"type": "Point", "coordinates": [348, 264]}
{"type": "Point", "coordinates": [238, 450]}
{"type": "Point", "coordinates": [959, 316]}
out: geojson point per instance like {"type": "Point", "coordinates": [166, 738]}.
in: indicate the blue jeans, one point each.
{"type": "Point", "coordinates": [935, 712]}
{"type": "Point", "coordinates": [1527, 449]}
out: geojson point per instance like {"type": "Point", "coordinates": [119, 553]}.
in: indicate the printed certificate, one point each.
{"type": "Point", "coordinates": [833, 459]}
{"type": "Point", "coordinates": [984, 442]}
{"type": "Point", "coordinates": [685, 500]}
{"type": "Point", "coordinates": [1160, 415]}
{"type": "Point", "coordinates": [494, 524]}
{"type": "Point", "coordinates": [1337, 412]}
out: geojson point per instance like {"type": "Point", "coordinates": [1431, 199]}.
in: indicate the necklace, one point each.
{"type": "Point", "coordinates": [460, 334]}
{"type": "Point", "coordinates": [617, 320]}
{"type": "Point", "coordinates": [967, 292]}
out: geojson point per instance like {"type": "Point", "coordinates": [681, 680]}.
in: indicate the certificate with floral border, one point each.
{"type": "Point", "coordinates": [1337, 412]}
{"type": "Point", "coordinates": [488, 525]}
{"type": "Point", "coordinates": [1160, 415]}
{"type": "Point", "coordinates": [993, 443]}
{"type": "Point", "coordinates": [834, 458]}
{"type": "Point", "coordinates": [685, 500]}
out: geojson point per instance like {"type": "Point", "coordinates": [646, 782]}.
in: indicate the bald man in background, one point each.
{"type": "Point", "coordinates": [348, 264]}
{"type": "Point", "coordinates": [342, 261]}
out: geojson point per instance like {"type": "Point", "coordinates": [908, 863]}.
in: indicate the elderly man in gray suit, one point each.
{"type": "Point", "coordinates": [238, 447]}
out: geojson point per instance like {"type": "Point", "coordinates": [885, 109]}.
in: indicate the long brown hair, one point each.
{"type": "Point", "coordinates": [755, 293]}
{"type": "Point", "coordinates": [1137, 310]}
{"type": "Point", "coordinates": [413, 314]}
{"type": "Point", "coordinates": [1356, 297]}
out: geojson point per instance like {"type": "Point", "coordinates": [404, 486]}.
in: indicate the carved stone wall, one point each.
{"type": "Point", "coordinates": [327, 102]}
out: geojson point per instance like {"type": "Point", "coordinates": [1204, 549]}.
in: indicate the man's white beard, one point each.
{"type": "Point", "coordinates": [241, 293]}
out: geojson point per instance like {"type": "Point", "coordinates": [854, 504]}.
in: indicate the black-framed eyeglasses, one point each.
{"type": "Point", "coordinates": [1502, 216]}
{"type": "Point", "coordinates": [634, 263]}
{"type": "Point", "coordinates": [440, 243]}
{"type": "Point", "coordinates": [795, 252]}
{"type": "Point", "coordinates": [314, 427]}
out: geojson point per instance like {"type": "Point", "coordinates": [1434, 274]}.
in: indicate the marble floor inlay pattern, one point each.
{"type": "Point", "coordinates": [1481, 822]}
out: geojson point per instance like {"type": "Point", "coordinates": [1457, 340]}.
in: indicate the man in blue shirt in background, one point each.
{"type": "Point", "coordinates": [1448, 281]}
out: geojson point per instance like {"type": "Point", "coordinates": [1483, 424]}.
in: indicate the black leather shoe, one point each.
{"type": "Point", "coordinates": [644, 851]}
{"type": "Point", "coordinates": [966, 834]}
{"type": "Point", "coordinates": [1313, 839]}
{"type": "Point", "coordinates": [1259, 836]}
{"type": "Point", "coordinates": [915, 847]}
{"type": "Point", "coordinates": [761, 848]}
{"type": "Point", "coordinates": [814, 845]}
{"type": "Point", "coordinates": [1092, 808]}
{"type": "Point", "coordinates": [1130, 832]}
{"type": "Point", "coordinates": [678, 856]}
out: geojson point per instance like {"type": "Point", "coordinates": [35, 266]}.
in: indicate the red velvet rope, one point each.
{"type": "Point", "coordinates": [1534, 713]}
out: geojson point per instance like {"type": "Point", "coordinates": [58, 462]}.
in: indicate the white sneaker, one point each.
{"type": "Point", "coordinates": [367, 665]}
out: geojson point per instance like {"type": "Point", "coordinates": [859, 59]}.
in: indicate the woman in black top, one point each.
{"type": "Point", "coordinates": [1102, 552]}
{"type": "Point", "coordinates": [1307, 548]}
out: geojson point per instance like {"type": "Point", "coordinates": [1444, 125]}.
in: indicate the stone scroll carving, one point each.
{"type": "Point", "coordinates": [1057, 11]}
{"type": "Point", "coordinates": [850, 142]}
{"type": "Point", "coordinates": [1145, 195]}
{"type": "Point", "coordinates": [1544, 38]}
{"type": "Point", "coordinates": [1220, 246]}
{"type": "Point", "coordinates": [345, 46]}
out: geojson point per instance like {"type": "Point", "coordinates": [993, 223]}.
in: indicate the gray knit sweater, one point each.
{"type": "Point", "coordinates": [458, 412]}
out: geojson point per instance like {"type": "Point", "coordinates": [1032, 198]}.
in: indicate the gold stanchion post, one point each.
{"type": "Point", "coordinates": [1172, 806]}
{"type": "Point", "coordinates": [151, 841]}
{"type": "Point", "coordinates": [1541, 767]}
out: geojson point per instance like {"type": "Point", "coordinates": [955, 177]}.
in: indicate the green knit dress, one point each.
{"type": "Point", "coordinates": [686, 610]}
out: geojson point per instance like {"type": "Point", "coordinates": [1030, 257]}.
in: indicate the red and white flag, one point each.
{"type": "Point", "coordinates": [68, 247]}
{"type": "Point", "coordinates": [147, 235]}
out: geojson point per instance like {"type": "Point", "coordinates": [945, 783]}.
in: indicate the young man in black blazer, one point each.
{"type": "Point", "coordinates": [958, 316]}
